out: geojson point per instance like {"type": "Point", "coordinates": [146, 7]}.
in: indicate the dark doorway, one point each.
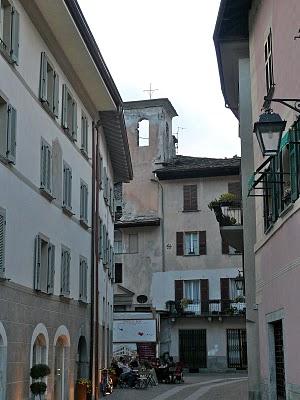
{"type": "Point", "coordinates": [237, 348]}
{"type": "Point", "coordinates": [192, 348]}
{"type": "Point", "coordinates": [279, 360]}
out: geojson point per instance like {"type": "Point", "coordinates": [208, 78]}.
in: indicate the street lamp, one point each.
{"type": "Point", "coordinates": [239, 282]}
{"type": "Point", "coordinates": [268, 131]}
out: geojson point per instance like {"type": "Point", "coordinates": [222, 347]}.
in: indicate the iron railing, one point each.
{"type": "Point", "coordinates": [228, 213]}
{"type": "Point", "coordinates": [216, 307]}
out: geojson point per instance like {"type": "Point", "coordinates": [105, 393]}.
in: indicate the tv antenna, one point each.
{"type": "Point", "coordinates": [150, 90]}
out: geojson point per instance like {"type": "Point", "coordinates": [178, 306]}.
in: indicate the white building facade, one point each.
{"type": "Point", "coordinates": [56, 97]}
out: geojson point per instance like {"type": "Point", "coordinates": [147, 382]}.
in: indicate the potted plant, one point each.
{"type": "Point", "coordinates": [84, 388]}
{"type": "Point", "coordinates": [185, 302]}
{"type": "Point", "coordinates": [37, 373]}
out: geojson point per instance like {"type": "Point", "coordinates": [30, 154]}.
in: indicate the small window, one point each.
{"type": "Point", "coordinates": [44, 265]}
{"type": "Point", "coordinates": [8, 128]}
{"type": "Point", "coordinates": [9, 30]}
{"type": "Point", "coordinates": [46, 167]}
{"type": "Point", "coordinates": [65, 272]}
{"type": "Point", "coordinates": [133, 243]}
{"type": "Point", "coordinates": [84, 134]}
{"type": "Point", "coordinates": [118, 246]}
{"type": "Point", "coordinates": [190, 198]}
{"type": "Point", "coordinates": [269, 63]}
{"type": "Point", "coordinates": [83, 270]}
{"type": "Point", "coordinates": [69, 113]}
{"type": "Point", "coordinates": [67, 187]}
{"type": "Point", "coordinates": [143, 133]}
{"type": "Point", "coordinates": [191, 240]}
{"type": "Point", "coordinates": [49, 86]}
{"type": "Point", "coordinates": [118, 273]}
{"type": "Point", "coordinates": [2, 242]}
{"type": "Point", "coordinates": [83, 201]}
{"type": "Point", "coordinates": [191, 243]}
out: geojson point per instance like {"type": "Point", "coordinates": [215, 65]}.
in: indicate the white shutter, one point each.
{"type": "Point", "coordinates": [65, 272]}
{"type": "Point", "coordinates": [51, 269]}
{"type": "Point", "coordinates": [74, 121]}
{"type": "Point", "coordinates": [56, 95]}
{"type": "Point", "coordinates": [81, 200]}
{"type": "Point", "coordinates": [37, 263]}
{"type": "Point", "coordinates": [11, 134]}
{"type": "Point", "coordinates": [68, 272]}
{"type": "Point", "coordinates": [14, 50]}
{"type": "Point", "coordinates": [2, 243]}
{"type": "Point", "coordinates": [64, 118]}
{"type": "Point", "coordinates": [48, 169]}
{"type": "Point", "coordinates": [43, 77]}
{"type": "Point", "coordinates": [69, 188]}
{"type": "Point", "coordinates": [80, 280]}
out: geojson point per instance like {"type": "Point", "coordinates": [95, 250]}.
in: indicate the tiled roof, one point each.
{"type": "Point", "coordinates": [185, 166]}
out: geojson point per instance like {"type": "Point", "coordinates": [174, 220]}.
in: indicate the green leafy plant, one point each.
{"type": "Point", "coordinates": [87, 383]}
{"type": "Point", "coordinates": [39, 371]}
{"type": "Point", "coordinates": [38, 388]}
{"type": "Point", "coordinates": [185, 302]}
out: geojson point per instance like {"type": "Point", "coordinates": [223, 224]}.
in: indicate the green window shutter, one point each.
{"type": "Point", "coordinates": [11, 134]}
{"type": "Point", "coordinates": [37, 263]}
{"type": "Point", "coordinates": [2, 242]}
{"type": "Point", "coordinates": [64, 115]}
{"type": "Point", "coordinates": [43, 77]}
{"type": "Point", "coordinates": [273, 188]}
{"type": "Point", "coordinates": [56, 95]}
{"type": "Point", "coordinates": [74, 121]}
{"type": "Point", "coordinates": [14, 50]}
{"type": "Point", "coordinates": [293, 166]}
{"type": "Point", "coordinates": [51, 269]}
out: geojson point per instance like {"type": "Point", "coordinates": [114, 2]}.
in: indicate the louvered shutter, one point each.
{"type": "Point", "coordinates": [294, 162]}
{"type": "Point", "coordinates": [63, 272]}
{"type": "Point", "coordinates": [43, 77]}
{"type": "Point", "coordinates": [81, 278]}
{"type": "Point", "coordinates": [64, 117]}
{"type": "Point", "coordinates": [2, 243]}
{"type": "Point", "coordinates": [81, 201]}
{"type": "Point", "coordinates": [37, 263]}
{"type": "Point", "coordinates": [51, 269]}
{"type": "Point", "coordinates": [194, 202]}
{"type": "Point", "coordinates": [235, 188]}
{"type": "Point", "coordinates": [14, 51]}
{"type": "Point", "coordinates": [68, 272]}
{"type": "Point", "coordinates": [70, 188]}
{"type": "Point", "coordinates": [202, 242]}
{"type": "Point", "coordinates": [186, 198]}
{"type": "Point", "coordinates": [11, 134]}
{"type": "Point", "coordinates": [43, 166]}
{"type": "Point", "coordinates": [48, 169]}
{"type": "Point", "coordinates": [56, 95]}
{"type": "Point", "coordinates": [204, 291]}
{"type": "Point", "coordinates": [225, 247]}
{"type": "Point", "coordinates": [178, 290]}
{"type": "Point", "coordinates": [74, 121]}
{"type": "Point", "coordinates": [179, 244]}
{"type": "Point", "coordinates": [225, 303]}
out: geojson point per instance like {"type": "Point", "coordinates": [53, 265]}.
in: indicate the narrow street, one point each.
{"type": "Point", "coordinates": [195, 387]}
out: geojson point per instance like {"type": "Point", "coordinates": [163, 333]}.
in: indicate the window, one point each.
{"type": "Point", "coordinates": [65, 271]}
{"type": "Point", "coordinates": [190, 198]}
{"type": "Point", "coordinates": [39, 351]}
{"type": "Point", "coordinates": [118, 273]}
{"type": "Point", "coordinates": [118, 242]}
{"type": "Point", "coordinates": [133, 243]}
{"type": "Point", "coordinates": [191, 290]}
{"type": "Point", "coordinates": [269, 63]}
{"type": "Point", "coordinates": [227, 249]}
{"type": "Point", "coordinates": [49, 86]}
{"type": "Point", "coordinates": [143, 133]}
{"type": "Point", "coordinates": [8, 128]}
{"type": "Point", "coordinates": [9, 30]}
{"type": "Point", "coordinates": [100, 172]}
{"type": "Point", "coordinates": [67, 187]}
{"type": "Point", "coordinates": [2, 242]}
{"type": "Point", "coordinates": [191, 243]}
{"type": "Point", "coordinates": [83, 269]}
{"type": "Point", "coordinates": [46, 167]}
{"type": "Point", "coordinates": [44, 265]}
{"type": "Point", "coordinates": [105, 185]}
{"type": "Point", "coordinates": [84, 134]}
{"type": "Point", "coordinates": [83, 201]}
{"type": "Point", "coordinates": [69, 113]}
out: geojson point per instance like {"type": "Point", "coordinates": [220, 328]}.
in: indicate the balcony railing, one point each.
{"type": "Point", "coordinates": [207, 308]}
{"type": "Point", "coordinates": [228, 213]}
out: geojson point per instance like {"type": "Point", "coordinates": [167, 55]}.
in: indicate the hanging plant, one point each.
{"type": "Point", "coordinates": [39, 371]}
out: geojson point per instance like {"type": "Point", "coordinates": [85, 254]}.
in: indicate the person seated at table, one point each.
{"type": "Point", "coordinates": [134, 364]}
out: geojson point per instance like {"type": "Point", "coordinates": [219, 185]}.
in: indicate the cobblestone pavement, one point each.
{"type": "Point", "coordinates": [195, 387]}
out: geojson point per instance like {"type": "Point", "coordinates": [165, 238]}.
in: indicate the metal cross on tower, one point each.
{"type": "Point", "coordinates": [150, 91]}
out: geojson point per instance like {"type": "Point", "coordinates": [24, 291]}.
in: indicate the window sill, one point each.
{"type": "Point", "coordinates": [47, 194]}
{"type": "Point", "coordinates": [84, 153]}
{"type": "Point", "coordinates": [65, 297]}
{"type": "Point", "coordinates": [69, 136]}
{"type": "Point", "coordinates": [83, 302]}
{"type": "Point", "coordinates": [47, 109]}
{"type": "Point", "coordinates": [191, 255]}
{"type": "Point", "coordinates": [6, 55]}
{"type": "Point", "coordinates": [190, 211]}
{"type": "Point", "coordinates": [68, 211]}
{"type": "Point", "coordinates": [84, 224]}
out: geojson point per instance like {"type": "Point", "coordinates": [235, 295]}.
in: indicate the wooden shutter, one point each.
{"type": "Point", "coordinates": [51, 269]}
{"type": "Point", "coordinates": [2, 243]}
{"type": "Point", "coordinates": [178, 290]}
{"type": "Point", "coordinates": [235, 188]}
{"type": "Point", "coordinates": [224, 285]}
{"type": "Point", "coordinates": [204, 291]}
{"type": "Point", "coordinates": [190, 197]}
{"type": "Point", "coordinates": [293, 165]}
{"type": "Point", "coordinates": [64, 117]}
{"type": "Point", "coordinates": [43, 77]}
{"type": "Point", "coordinates": [14, 50]}
{"type": "Point", "coordinates": [74, 121]}
{"type": "Point", "coordinates": [56, 95]}
{"type": "Point", "coordinates": [202, 242]}
{"type": "Point", "coordinates": [179, 244]}
{"type": "Point", "coordinates": [37, 263]}
{"type": "Point", "coordinates": [225, 247]}
{"type": "Point", "coordinates": [194, 203]}
{"type": "Point", "coordinates": [11, 134]}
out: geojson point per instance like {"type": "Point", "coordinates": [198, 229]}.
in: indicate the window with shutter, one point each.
{"type": "Point", "coordinates": [49, 86]}
{"type": "Point", "coordinates": [190, 202]}
{"type": "Point", "coordinates": [179, 244]}
{"type": "Point", "coordinates": [11, 134]}
{"type": "Point", "coordinates": [83, 267]}
{"type": "Point", "coordinates": [46, 167]}
{"type": "Point", "coordinates": [9, 30]}
{"type": "Point", "coordinates": [202, 242]}
{"type": "Point", "coordinates": [2, 242]}
{"type": "Point", "coordinates": [69, 113]}
{"type": "Point", "coordinates": [44, 269]}
{"type": "Point", "coordinates": [191, 244]}
{"type": "Point", "coordinates": [65, 271]}
{"type": "Point", "coordinates": [178, 290]}
{"type": "Point", "coordinates": [67, 187]}
{"type": "Point", "coordinates": [84, 134]}
{"type": "Point", "coordinates": [51, 268]}
{"type": "Point", "coordinates": [83, 201]}
{"type": "Point", "coordinates": [100, 172]}
{"type": "Point", "coordinates": [204, 291]}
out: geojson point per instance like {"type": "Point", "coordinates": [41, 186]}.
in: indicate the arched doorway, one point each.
{"type": "Point", "coordinates": [3, 361]}
{"type": "Point", "coordinates": [82, 359]}
{"type": "Point", "coordinates": [61, 364]}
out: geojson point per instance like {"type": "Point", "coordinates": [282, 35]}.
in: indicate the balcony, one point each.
{"type": "Point", "coordinates": [230, 217]}
{"type": "Point", "coordinates": [208, 308]}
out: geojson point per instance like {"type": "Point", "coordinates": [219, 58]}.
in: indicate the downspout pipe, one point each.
{"type": "Point", "coordinates": [162, 225]}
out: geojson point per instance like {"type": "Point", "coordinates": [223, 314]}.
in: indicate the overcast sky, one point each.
{"type": "Point", "coordinates": [168, 43]}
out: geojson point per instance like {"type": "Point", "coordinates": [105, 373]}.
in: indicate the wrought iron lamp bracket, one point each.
{"type": "Point", "coordinates": [285, 102]}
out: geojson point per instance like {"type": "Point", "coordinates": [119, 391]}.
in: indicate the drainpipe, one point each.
{"type": "Point", "coordinates": [162, 225]}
